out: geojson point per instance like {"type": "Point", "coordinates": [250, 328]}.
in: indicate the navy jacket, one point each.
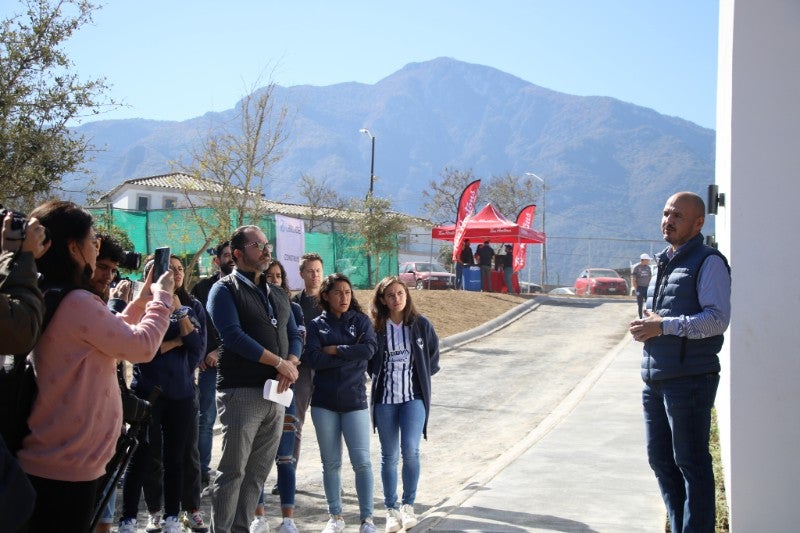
{"type": "Point", "coordinates": [424, 357]}
{"type": "Point", "coordinates": [674, 293]}
{"type": "Point", "coordinates": [173, 371]}
{"type": "Point", "coordinates": [340, 382]}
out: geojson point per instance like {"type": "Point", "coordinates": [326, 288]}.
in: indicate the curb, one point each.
{"type": "Point", "coordinates": [454, 341]}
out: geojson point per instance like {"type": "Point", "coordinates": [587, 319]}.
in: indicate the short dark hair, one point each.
{"type": "Point", "coordinates": [110, 248]}
{"type": "Point", "coordinates": [311, 256]}
{"type": "Point", "coordinates": [239, 237]}
{"type": "Point", "coordinates": [221, 248]}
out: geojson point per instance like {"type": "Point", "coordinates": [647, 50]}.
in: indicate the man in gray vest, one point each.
{"type": "Point", "coordinates": [688, 310]}
{"type": "Point", "coordinates": [260, 341]}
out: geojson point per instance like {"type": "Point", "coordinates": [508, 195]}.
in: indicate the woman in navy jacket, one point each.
{"type": "Point", "coordinates": [172, 369]}
{"type": "Point", "coordinates": [339, 344]}
{"type": "Point", "coordinates": [408, 355]}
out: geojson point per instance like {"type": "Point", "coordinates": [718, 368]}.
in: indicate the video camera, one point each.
{"type": "Point", "coordinates": [130, 261]}
{"type": "Point", "coordinates": [19, 223]}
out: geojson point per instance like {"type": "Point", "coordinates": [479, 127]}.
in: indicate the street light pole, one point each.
{"type": "Point", "coordinates": [543, 257]}
{"type": "Point", "coordinates": [369, 199]}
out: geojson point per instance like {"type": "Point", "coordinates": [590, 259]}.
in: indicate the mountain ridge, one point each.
{"type": "Point", "coordinates": [609, 165]}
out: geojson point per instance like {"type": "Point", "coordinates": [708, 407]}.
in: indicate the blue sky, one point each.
{"type": "Point", "coordinates": [178, 59]}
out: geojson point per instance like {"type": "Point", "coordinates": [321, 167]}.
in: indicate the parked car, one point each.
{"type": "Point", "coordinates": [562, 290]}
{"type": "Point", "coordinates": [426, 275]}
{"type": "Point", "coordinates": [600, 281]}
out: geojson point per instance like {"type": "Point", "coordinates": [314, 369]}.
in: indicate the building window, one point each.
{"type": "Point", "coordinates": [142, 202]}
{"type": "Point", "coordinates": [170, 203]}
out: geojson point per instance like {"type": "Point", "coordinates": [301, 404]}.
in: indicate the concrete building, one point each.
{"type": "Point", "coordinates": [758, 170]}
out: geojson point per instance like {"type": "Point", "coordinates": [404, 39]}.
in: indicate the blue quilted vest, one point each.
{"type": "Point", "coordinates": [673, 294]}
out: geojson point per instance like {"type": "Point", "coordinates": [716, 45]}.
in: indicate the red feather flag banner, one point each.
{"type": "Point", "coordinates": [524, 220]}
{"type": "Point", "coordinates": [466, 206]}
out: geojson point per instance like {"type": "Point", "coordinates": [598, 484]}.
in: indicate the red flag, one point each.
{"type": "Point", "coordinates": [524, 220]}
{"type": "Point", "coordinates": [466, 205]}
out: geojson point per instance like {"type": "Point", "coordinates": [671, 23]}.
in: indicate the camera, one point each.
{"type": "Point", "coordinates": [134, 409]}
{"type": "Point", "coordinates": [130, 260]}
{"type": "Point", "coordinates": [19, 224]}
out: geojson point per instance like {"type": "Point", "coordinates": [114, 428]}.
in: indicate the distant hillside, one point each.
{"type": "Point", "coordinates": [609, 165]}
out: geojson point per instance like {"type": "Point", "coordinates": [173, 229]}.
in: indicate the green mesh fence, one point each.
{"type": "Point", "coordinates": [179, 229]}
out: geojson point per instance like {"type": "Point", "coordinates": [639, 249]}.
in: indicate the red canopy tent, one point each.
{"type": "Point", "coordinates": [489, 224]}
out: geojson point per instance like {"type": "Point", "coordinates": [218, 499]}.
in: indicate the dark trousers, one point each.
{"type": "Point", "coordinates": [190, 497]}
{"type": "Point", "coordinates": [677, 414]}
{"type": "Point", "coordinates": [165, 445]}
{"type": "Point", "coordinates": [64, 506]}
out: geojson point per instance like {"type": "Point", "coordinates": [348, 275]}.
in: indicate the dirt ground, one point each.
{"type": "Point", "coordinates": [440, 307]}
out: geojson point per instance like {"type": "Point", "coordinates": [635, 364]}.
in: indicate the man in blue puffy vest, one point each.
{"type": "Point", "coordinates": [688, 310]}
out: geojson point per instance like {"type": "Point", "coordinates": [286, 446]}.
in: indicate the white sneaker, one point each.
{"type": "Point", "coordinates": [127, 526]}
{"type": "Point", "coordinates": [259, 525]}
{"type": "Point", "coordinates": [288, 526]}
{"type": "Point", "coordinates": [367, 526]}
{"type": "Point", "coordinates": [154, 523]}
{"type": "Point", "coordinates": [334, 525]}
{"type": "Point", "coordinates": [172, 525]}
{"type": "Point", "coordinates": [392, 521]}
{"type": "Point", "coordinates": [407, 516]}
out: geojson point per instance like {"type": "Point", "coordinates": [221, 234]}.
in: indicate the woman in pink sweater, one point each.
{"type": "Point", "coordinates": [77, 415]}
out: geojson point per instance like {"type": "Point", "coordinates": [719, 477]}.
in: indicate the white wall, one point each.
{"type": "Point", "coordinates": [758, 168]}
{"type": "Point", "coordinates": [129, 195]}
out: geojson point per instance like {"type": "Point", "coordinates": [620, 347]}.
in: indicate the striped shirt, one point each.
{"type": "Point", "coordinates": [397, 380]}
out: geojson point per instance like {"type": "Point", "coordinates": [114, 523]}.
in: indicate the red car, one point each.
{"type": "Point", "coordinates": [425, 275]}
{"type": "Point", "coordinates": [600, 281]}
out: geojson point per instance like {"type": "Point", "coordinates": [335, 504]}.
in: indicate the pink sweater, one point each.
{"type": "Point", "coordinates": [77, 415]}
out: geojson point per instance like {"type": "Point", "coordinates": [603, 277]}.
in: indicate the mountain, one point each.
{"type": "Point", "coordinates": [609, 165]}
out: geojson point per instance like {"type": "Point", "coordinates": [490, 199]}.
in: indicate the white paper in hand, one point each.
{"type": "Point", "coordinates": [271, 393]}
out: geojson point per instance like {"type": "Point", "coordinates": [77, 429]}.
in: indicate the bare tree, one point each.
{"type": "Point", "coordinates": [322, 200]}
{"type": "Point", "coordinates": [442, 196]}
{"type": "Point", "coordinates": [509, 193]}
{"type": "Point", "coordinates": [237, 159]}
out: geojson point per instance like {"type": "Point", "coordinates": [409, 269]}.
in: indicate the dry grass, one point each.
{"type": "Point", "coordinates": [454, 311]}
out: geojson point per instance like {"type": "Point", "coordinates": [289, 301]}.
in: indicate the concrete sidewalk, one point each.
{"type": "Point", "coordinates": [583, 469]}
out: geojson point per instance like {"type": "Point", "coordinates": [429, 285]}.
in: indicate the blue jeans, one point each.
{"type": "Point", "coordinates": [677, 414]}
{"type": "Point", "coordinates": [508, 273]}
{"type": "Point", "coordinates": [354, 426]}
{"type": "Point", "coordinates": [207, 383]}
{"type": "Point", "coordinates": [459, 276]}
{"type": "Point", "coordinates": [285, 461]}
{"type": "Point", "coordinates": [400, 430]}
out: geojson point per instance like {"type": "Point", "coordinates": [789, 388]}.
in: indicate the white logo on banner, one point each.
{"type": "Point", "coordinates": [290, 245]}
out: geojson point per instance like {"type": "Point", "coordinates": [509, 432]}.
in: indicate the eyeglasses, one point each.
{"type": "Point", "coordinates": [263, 246]}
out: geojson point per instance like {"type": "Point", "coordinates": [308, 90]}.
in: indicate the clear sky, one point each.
{"type": "Point", "coordinates": [176, 59]}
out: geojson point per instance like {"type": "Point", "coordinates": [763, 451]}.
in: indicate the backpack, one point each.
{"type": "Point", "coordinates": [18, 383]}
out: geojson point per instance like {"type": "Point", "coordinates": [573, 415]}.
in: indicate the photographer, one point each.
{"type": "Point", "coordinates": [21, 307]}
{"type": "Point", "coordinates": [21, 315]}
{"type": "Point", "coordinates": [77, 415]}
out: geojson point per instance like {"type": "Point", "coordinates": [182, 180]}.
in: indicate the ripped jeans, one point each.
{"type": "Point", "coordinates": [285, 460]}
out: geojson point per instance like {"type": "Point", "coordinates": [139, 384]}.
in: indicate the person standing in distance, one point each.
{"type": "Point", "coordinates": [259, 341]}
{"type": "Point", "coordinates": [465, 260]}
{"type": "Point", "coordinates": [207, 378]}
{"type": "Point", "coordinates": [688, 310]}
{"type": "Point", "coordinates": [484, 256]}
{"type": "Point", "coordinates": [311, 271]}
{"type": "Point", "coordinates": [640, 279]}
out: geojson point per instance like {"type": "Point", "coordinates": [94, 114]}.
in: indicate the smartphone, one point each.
{"type": "Point", "coordinates": [160, 262]}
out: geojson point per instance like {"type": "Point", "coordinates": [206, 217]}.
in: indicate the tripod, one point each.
{"type": "Point", "coordinates": [126, 447]}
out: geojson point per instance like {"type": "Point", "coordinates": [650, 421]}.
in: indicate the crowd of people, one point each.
{"type": "Point", "coordinates": [194, 357]}
{"type": "Point", "coordinates": [487, 260]}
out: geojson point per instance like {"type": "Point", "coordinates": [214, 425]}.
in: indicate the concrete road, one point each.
{"type": "Point", "coordinates": [490, 398]}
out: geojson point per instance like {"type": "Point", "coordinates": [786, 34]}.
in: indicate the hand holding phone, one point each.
{"type": "Point", "coordinates": [160, 262]}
